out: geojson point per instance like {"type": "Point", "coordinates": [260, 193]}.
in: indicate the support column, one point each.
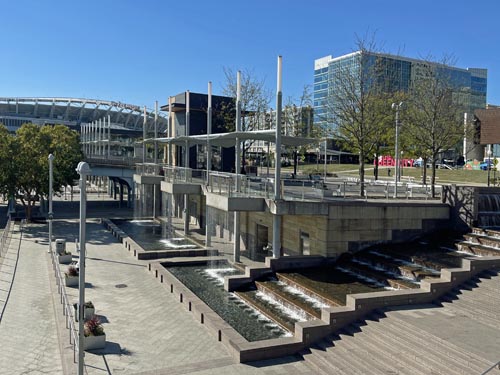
{"type": "Point", "coordinates": [237, 167]}
{"type": "Point", "coordinates": [277, 168]}
{"type": "Point", "coordinates": [155, 156]}
{"type": "Point", "coordinates": [186, 166]}
{"type": "Point", "coordinates": [109, 136]}
{"type": "Point", "coordinates": [144, 136]}
{"type": "Point", "coordinates": [186, 214]}
{"type": "Point", "coordinates": [208, 231]}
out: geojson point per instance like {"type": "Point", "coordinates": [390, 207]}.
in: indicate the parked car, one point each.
{"type": "Point", "coordinates": [484, 165]}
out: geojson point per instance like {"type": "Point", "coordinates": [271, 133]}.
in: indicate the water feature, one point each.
{"type": "Point", "coordinates": [151, 235]}
{"type": "Point", "coordinates": [488, 215]}
{"type": "Point", "coordinates": [206, 281]}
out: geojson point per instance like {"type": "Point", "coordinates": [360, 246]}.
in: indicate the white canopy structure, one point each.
{"type": "Point", "coordinates": [229, 139]}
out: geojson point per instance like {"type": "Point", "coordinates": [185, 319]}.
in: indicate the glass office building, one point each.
{"type": "Point", "coordinates": [395, 73]}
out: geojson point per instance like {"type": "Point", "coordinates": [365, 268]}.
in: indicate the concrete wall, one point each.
{"type": "Point", "coordinates": [349, 226]}
{"type": "Point", "coordinates": [353, 226]}
{"type": "Point", "coordinates": [465, 204]}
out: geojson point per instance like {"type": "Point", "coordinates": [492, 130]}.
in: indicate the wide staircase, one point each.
{"type": "Point", "coordinates": [390, 341]}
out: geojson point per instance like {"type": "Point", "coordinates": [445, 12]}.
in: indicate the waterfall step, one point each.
{"type": "Point", "coordinates": [430, 260]}
{"type": "Point", "coordinates": [269, 310]}
{"type": "Point", "coordinates": [287, 298]}
{"type": "Point", "coordinates": [382, 277]}
{"type": "Point", "coordinates": [483, 239]}
{"type": "Point", "coordinates": [478, 249]}
{"type": "Point", "coordinates": [318, 294]}
{"type": "Point", "coordinates": [488, 232]}
{"type": "Point", "coordinates": [395, 266]}
{"type": "Point", "coordinates": [175, 253]}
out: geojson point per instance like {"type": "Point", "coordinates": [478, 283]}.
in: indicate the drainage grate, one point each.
{"type": "Point", "coordinates": [119, 286]}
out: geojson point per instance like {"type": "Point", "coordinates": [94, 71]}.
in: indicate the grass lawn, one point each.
{"type": "Point", "coordinates": [459, 176]}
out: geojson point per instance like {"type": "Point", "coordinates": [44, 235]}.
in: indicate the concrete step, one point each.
{"type": "Point", "coordinates": [393, 354]}
{"type": "Point", "coordinates": [339, 366]}
{"type": "Point", "coordinates": [478, 308]}
{"type": "Point", "coordinates": [381, 357]}
{"type": "Point", "coordinates": [364, 360]}
{"type": "Point", "coordinates": [474, 363]}
{"type": "Point", "coordinates": [313, 362]}
{"type": "Point", "coordinates": [416, 351]}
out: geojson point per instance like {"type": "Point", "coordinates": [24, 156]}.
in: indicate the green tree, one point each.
{"type": "Point", "coordinates": [6, 162]}
{"type": "Point", "coordinates": [30, 149]}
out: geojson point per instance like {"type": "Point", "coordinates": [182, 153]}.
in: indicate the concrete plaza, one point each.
{"type": "Point", "coordinates": [149, 332]}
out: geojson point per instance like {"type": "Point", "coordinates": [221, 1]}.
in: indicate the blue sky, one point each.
{"type": "Point", "coordinates": [141, 51]}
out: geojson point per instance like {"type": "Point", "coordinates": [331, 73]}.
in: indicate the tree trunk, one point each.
{"type": "Point", "coordinates": [295, 161]}
{"type": "Point", "coordinates": [424, 173]}
{"type": "Point", "coordinates": [375, 171]}
{"type": "Point", "coordinates": [433, 178]}
{"type": "Point", "coordinates": [361, 174]}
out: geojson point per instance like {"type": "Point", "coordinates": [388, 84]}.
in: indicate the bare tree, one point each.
{"type": "Point", "coordinates": [434, 115]}
{"type": "Point", "coordinates": [255, 99]}
{"type": "Point", "coordinates": [297, 119]}
{"type": "Point", "coordinates": [357, 108]}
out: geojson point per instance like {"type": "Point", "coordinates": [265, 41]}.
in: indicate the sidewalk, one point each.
{"type": "Point", "coordinates": [29, 343]}
{"type": "Point", "coordinates": [147, 330]}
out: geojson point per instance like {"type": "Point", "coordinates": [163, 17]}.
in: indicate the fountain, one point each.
{"type": "Point", "coordinates": [488, 215]}
{"type": "Point", "coordinates": [151, 235]}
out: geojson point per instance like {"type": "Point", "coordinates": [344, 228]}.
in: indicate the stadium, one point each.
{"type": "Point", "coordinates": [75, 111]}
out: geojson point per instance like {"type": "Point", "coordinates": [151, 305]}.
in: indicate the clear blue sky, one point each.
{"type": "Point", "coordinates": [141, 51]}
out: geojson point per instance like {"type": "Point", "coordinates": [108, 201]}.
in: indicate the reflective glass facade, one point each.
{"type": "Point", "coordinates": [394, 73]}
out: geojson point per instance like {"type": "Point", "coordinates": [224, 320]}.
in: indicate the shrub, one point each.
{"type": "Point", "coordinates": [93, 327]}
{"type": "Point", "coordinates": [72, 271]}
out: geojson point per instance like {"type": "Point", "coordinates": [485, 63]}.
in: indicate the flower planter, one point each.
{"type": "Point", "coordinates": [71, 280]}
{"type": "Point", "coordinates": [94, 342]}
{"type": "Point", "coordinates": [65, 259]}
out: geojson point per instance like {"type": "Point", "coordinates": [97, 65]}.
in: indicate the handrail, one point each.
{"type": "Point", "coordinates": [67, 307]}
{"type": "Point", "coordinates": [5, 236]}
{"type": "Point", "coordinates": [23, 222]}
{"type": "Point", "coordinates": [497, 365]}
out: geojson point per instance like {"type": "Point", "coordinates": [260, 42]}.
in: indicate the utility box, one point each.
{"type": "Point", "coordinates": [60, 246]}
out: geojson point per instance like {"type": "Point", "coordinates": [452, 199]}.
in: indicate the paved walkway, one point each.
{"type": "Point", "coordinates": [29, 342]}
{"type": "Point", "coordinates": [148, 331]}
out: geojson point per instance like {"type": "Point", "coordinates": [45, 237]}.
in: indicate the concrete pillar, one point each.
{"type": "Point", "coordinates": [186, 214]}
{"type": "Point", "coordinates": [237, 168]}
{"type": "Point", "coordinates": [208, 227]}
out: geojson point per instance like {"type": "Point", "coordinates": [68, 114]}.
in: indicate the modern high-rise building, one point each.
{"type": "Point", "coordinates": [397, 74]}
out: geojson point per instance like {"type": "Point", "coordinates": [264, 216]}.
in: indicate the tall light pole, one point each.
{"type": "Point", "coordinates": [83, 170]}
{"type": "Point", "coordinates": [51, 214]}
{"type": "Point", "coordinates": [277, 166]}
{"type": "Point", "coordinates": [397, 108]}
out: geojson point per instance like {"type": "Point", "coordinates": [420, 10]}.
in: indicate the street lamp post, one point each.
{"type": "Point", "coordinates": [397, 108]}
{"type": "Point", "coordinates": [83, 170]}
{"type": "Point", "coordinates": [51, 214]}
{"type": "Point", "coordinates": [488, 165]}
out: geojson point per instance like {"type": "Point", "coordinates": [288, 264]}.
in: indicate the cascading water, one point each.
{"type": "Point", "coordinates": [206, 281]}
{"type": "Point", "coordinates": [151, 235]}
{"type": "Point", "coordinates": [489, 210]}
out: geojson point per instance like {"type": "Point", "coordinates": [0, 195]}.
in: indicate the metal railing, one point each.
{"type": "Point", "coordinates": [5, 238]}
{"type": "Point", "coordinates": [495, 366]}
{"type": "Point", "coordinates": [153, 169]}
{"type": "Point", "coordinates": [183, 175]}
{"type": "Point", "coordinates": [67, 307]}
{"type": "Point", "coordinates": [312, 188]}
